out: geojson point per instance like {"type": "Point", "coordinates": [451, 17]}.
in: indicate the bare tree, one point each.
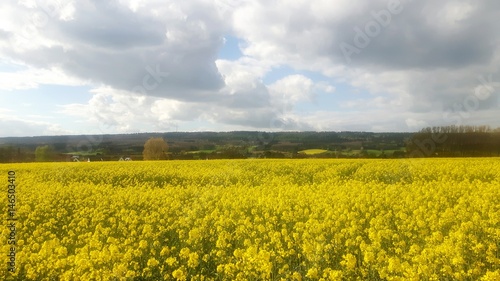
{"type": "Point", "coordinates": [155, 149]}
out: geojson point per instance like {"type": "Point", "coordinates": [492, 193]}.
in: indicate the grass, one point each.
{"type": "Point", "coordinates": [208, 151]}
{"type": "Point", "coordinates": [357, 152]}
{"type": "Point", "coordinates": [374, 152]}
{"type": "Point", "coordinates": [82, 153]}
{"type": "Point", "coordinates": [313, 151]}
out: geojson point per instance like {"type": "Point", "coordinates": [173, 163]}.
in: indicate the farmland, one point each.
{"type": "Point", "coordinates": [310, 219]}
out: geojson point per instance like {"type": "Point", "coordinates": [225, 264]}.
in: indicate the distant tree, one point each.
{"type": "Point", "coordinates": [6, 154]}
{"type": "Point", "coordinates": [44, 153]}
{"type": "Point", "coordinates": [155, 149]}
{"type": "Point", "coordinates": [450, 141]}
{"type": "Point", "coordinates": [398, 154]}
{"type": "Point", "coordinates": [233, 152]}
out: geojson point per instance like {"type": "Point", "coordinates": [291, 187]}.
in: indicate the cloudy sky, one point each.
{"type": "Point", "coordinates": [129, 66]}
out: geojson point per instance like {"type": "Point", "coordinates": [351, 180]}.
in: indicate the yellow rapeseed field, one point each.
{"type": "Point", "coordinates": [430, 219]}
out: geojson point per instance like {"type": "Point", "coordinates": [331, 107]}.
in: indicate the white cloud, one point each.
{"type": "Point", "coordinates": [416, 124]}
{"type": "Point", "coordinates": [33, 77]}
{"type": "Point", "coordinates": [243, 73]}
{"type": "Point", "coordinates": [451, 15]}
{"type": "Point", "coordinates": [20, 127]}
{"type": "Point", "coordinates": [293, 88]}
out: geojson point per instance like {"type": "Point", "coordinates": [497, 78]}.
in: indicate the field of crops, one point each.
{"type": "Point", "coordinates": [432, 219]}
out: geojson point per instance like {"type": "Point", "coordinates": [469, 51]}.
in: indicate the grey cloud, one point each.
{"type": "Point", "coordinates": [438, 49]}
{"type": "Point", "coordinates": [172, 54]}
{"type": "Point", "coordinates": [412, 38]}
{"type": "Point", "coordinates": [109, 44]}
{"type": "Point", "coordinates": [109, 25]}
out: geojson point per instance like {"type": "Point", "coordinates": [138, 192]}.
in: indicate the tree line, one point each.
{"type": "Point", "coordinates": [455, 141]}
{"type": "Point", "coordinates": [438, 141]}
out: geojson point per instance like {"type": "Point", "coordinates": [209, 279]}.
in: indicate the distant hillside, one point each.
{"type": "Point", "coordinates": [205, 145]}
{"type": "Point", "coordinates": [450, 141]}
